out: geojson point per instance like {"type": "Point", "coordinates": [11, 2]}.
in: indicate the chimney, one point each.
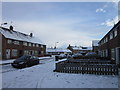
{"type": "Point", "coordinates": [31, 34]}
{"type": "Point", "coordinates": [11, 28]}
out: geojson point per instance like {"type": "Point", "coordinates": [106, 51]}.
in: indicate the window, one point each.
{"type": "Point", "coordinates": [113, 54]}
{"type": "Point", "coordinates": [25, 43]}
{"type": "Point", "coordinates": [106, 53]}
{"type": "Point", "coordinates": [9, 41]}
{"type": "Point", "coordinates": [41, 46]}
{"type": "Point", "coordinates": [103, 53]}
{"type": "Point", "coordinates": [33, 45]}
{"type": "Point", "coordinates": [26, 52]}
{"type": "Point", "coordinates": [37, 45]}
{"type": "Point", "coordinates": [16, 42]}
{"type": "Point", "coordinates": [30, 44]}
{"type": "Point", "coordinates": [42, 52]}
{"type": "Point", "coordinates": [106, 39]}
{"type": "Point", "coordinates": [14, 52]}
{"type": "Point", "coordinates": [115, 33]}
{"type": "Point", "coordinates": [36, 52]}
{"type": "Point", "coordinates": [111, 35]}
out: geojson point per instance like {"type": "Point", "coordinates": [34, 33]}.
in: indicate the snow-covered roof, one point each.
{"type": "Point", "coordinates": [81, 48]}
{"type": "Point", "coordinates": [87, 48]}
{"type": "Point", "coordinates": [11, 34]}
{"type": "Point", "coordinates": [57, 50]}
{"type": "Point", "coordinates": [95, 42]}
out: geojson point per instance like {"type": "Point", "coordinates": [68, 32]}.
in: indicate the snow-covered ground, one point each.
{"type": "Point", "coordinates": [42, 76]}
{"type": "Point", "coordinates": [6, 61]}
{"type": "Point", "coordinates": [11, 60]}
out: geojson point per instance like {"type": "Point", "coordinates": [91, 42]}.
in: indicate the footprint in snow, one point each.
{"type": "Point", "coordinates": [82, 83]}
{"type": "Point", "coordinates": [67, 81]}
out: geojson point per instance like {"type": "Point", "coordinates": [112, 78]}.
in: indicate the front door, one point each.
{"type": "Point", "coordinates": [7, 53]}
{"type": "Point", "coordinates": [20, 53]}
{"type": "Point", "coordinates": [118, 55]}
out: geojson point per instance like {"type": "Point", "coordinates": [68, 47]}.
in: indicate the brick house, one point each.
{"type": "Point", "coordinates": [58, 51]}
{"type": "Point", "coordinates": [95, 46]}
{"type": "Point", "coordinates": [109, 45]}
{"type": "Point", "coordinates": [15, 44]}
{"type": "Point", "coordinates": [79, 49]}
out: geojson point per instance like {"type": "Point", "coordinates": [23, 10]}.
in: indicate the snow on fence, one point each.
{"type": "Point", "coordinates": [86, 68]}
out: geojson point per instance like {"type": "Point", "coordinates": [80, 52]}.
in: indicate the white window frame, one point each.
{"type": "Point", "coordinates": [14, 52]}
{"type": "Point", "coordinates": [25, 43]}
{"type": "Point", "coordinates": [33, 45]}
{"type": "Point", "coordinates": [30, 44]}
{"type": "Point", "coordinates": [16, 42]}
{"type": "Point", "coordinates": [106, 53]}
{"type": "Point", "coordinates": [36, 52]}
{"type": "Point", "coordinates": [41, 46]}
{"type": "Point", "coordinates": [113, 54]}
{"type": "Point", "coordinates": [37, 45]}
{"type": "Point", "coordinates": [106, 39]}
{"type": "Point", "coordinates": [115, 33]}
{"type": "Point", "coordinates": [9, 41]}
{"type": "Point", "coordinates": [111, 35]}
{"type": "Point", "coordinates": [42, 52]}
{"type": "Point", "coordinates": [26, 52]}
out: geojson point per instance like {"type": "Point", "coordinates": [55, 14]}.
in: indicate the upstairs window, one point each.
{"type": "Point", "coordinates": [30, 44]}
{"type": "Point", "coordinates": [115, 33]}
{"type": "Point", "coordinates": [25, 43]}
{"type": "Point", "coordinates": [9, 41]}
{"type": "Point", "coordinates": [41, 46]}
{"type": "Point", "coordinates": [16, 42]}
{"type": "Point", "coordinates": [111, 35]}
{"type": "Point", "coordinates": [37, 45]}
{"type": "Point", "coordinates": [33, 45]}
{"type": "Point", "coordinates": [106, 39]}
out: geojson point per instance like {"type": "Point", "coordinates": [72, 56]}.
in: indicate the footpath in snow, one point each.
{"type": "Point", "coordinates": [42, 76]}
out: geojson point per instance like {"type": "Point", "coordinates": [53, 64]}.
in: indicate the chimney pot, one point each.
{"type": "Point", "coordinates": [11, 27]}
{"type": "Point", "coordinates": [31, 34]}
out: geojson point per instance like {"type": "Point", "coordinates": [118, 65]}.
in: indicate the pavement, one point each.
{"type": "Point", "coordinates": [5, 62]}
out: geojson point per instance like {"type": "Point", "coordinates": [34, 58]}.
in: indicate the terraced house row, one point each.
{"type": "Point", "coordinates": [109, 45]}
{"type": "Point", "coordinates": [15, 44]}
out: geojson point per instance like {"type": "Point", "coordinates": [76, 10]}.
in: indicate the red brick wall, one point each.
{"type": "Point", "coordinates": [113, 43]}
{"type": "Point", "coordinates": [19, 47]}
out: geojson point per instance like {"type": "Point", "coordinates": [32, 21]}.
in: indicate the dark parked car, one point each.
{"type": "Point", "coordinates": [91, 55]}
{"type": "Point", "coordinates": [62, 56]}
{"type": "Point", "coordinates": [77, 56]}
{"type": "Point", "coordinates": [25, 61]}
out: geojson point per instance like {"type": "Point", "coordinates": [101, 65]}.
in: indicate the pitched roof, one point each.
{"type": "Point", "coordinates": [15, 35]}
{"type": "Point", "coordinates": [115, 26]}
{"type": "Point", "coordinates": [57, 50]}
{"type": "Point", "coordinates": [81, 48]}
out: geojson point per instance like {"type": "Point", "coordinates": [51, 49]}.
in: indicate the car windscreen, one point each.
{"type": "Point", "coordinates": [23, 58]}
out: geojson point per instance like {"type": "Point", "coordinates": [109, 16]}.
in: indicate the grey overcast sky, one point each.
{"type": "Point", "coordinates": [75, 23]}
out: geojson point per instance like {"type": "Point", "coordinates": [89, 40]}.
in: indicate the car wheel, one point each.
{"type": "Point", "coordinates": [37, 62]}
{"type": "Point", "coordinates": [26, 65]}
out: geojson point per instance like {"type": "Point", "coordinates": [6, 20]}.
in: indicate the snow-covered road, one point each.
{"type": "Point", "coordinates": [42, 76]}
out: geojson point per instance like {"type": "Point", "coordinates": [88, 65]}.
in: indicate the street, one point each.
{"type": "Point", "coordinates": [42, 76]}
